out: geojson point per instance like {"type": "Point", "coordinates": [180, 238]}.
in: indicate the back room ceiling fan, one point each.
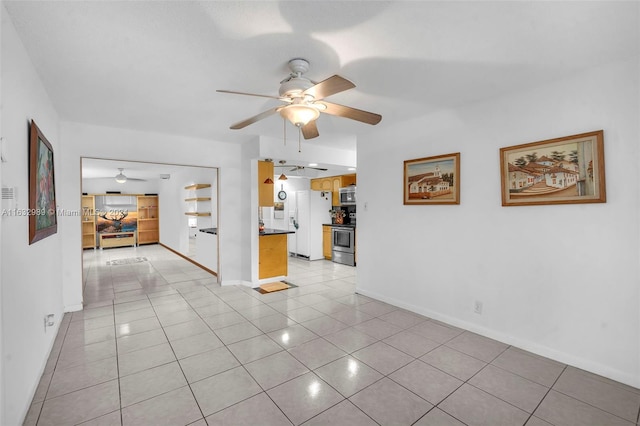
{"type": "Point", "coordinates": [121, 178]}
{"type": "Point", "coordinates": [304, 101]}
{"type": "Point", "coordinates": [296, 168]}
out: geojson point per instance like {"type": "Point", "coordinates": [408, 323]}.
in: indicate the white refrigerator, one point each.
{"type": "Point", "coordinates": [308, 210]}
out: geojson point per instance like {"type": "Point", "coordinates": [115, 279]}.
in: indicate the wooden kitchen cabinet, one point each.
{"type": "Point", "coordinates": [272, 256]}
{"type": "Point", "coordinates": [326, 241]}
{"type": "Point", "coordinates": [348, 180]}
{"type": "Point", "coordinates": [265, 190]}
{"type": "Point", "coordinates": [321, 184]}
{"type": "Point", "coordinates": [333, 184]}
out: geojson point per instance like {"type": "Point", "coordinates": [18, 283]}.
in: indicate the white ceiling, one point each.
{"type": "Point", "coordinates": [97, 168]}
{"type": "Point", "coordinates": [93, 168]}
{"type": "Point", "coordinates": [155, 66]}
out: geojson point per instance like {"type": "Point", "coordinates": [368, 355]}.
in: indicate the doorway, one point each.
{"type": "Point", "coordinates": [157, 204]}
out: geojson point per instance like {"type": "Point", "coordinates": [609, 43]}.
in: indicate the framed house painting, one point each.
{"type": "Point", "coordinates": [42, 192]}
{"type": "Point", "coordinates": [566, 170]}
{"type": "Point", "coordinates": [432, 180]}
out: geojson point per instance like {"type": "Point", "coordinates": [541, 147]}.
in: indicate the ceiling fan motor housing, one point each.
{"type": "Point", "coordinates": [294, 86]}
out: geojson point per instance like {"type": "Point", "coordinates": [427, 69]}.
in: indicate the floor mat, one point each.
{"type": "Point", "coordinates": [127, 261]}
{"type": "Point", "coordinates": [274, 286]}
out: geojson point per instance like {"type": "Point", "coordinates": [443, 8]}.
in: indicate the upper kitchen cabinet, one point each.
{"type": "Point", "coordinates": [333, 184]}
{"type": "Point", "coordinates": [265, 190]}
{"type": "Point", "coordinates": [321, 184]}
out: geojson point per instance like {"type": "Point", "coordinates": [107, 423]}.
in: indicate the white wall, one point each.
{"type": "Point", "coordinates": [31, 275]}
{"type": "Point", "coordinates": [581, 307]}
{"type": "Point", "coordinates": [102, 185]}
{"type": "Point", "coordinates": [173, 221]}
{"type": "Point", "coordinates": [309, 152]}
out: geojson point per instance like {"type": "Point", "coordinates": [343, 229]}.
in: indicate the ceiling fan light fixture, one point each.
{"type": "Point", "coordinates": [120, 177]}
{"type": "Point", "coordinates": [299, 114]}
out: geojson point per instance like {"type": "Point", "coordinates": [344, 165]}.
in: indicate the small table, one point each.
{"type": "Point", "coordinates": [117, 239]}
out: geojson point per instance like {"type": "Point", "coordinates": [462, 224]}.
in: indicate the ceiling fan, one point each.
{"type": "Point", "coordinates": [296, 168]}
{"type": "Point", "coordinates": [121, 178]}
{"type": "Point", "coordinates": [304, 101]}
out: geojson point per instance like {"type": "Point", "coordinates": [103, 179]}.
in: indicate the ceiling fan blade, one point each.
{"type": "Point", "coordinates": [249, 94]}
{"type": "Point", "coordinates": [319, 168]}
{"type": "Point", "coordinates": [255, 118]}
{"type": "Point", "coordinates": [328, 87]}
{"type": "Point", "coordinates": [295, 168]}
{"type": "Point", "coordinates": [352, 113]}
{"type": "Point", "coordinates": [310, 130]}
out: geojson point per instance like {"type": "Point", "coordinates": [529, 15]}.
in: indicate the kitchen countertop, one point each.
{"type": "Point", "coordinates": [271, 231]}
{"type": "Point", "coordinates": [340, 225]}
{"type": "Point", "coordinates": [213, 231]}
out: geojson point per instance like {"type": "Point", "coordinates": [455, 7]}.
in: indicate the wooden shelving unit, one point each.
{"type": "Point", "coordinates": [88, 221]}
{"type": "Point", "coordinates": [148, 219]}
{"type": "Point", "coordinates": [197, 186]}
{"type": "Point", "coordinates": [117, 239]}
{"type": "Point", "coordinates": [196, 200]}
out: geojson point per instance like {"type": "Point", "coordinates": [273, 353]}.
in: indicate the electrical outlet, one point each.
{"type": "Point", "coordinates": [48, 321]}
{"type": "Point", "coordinates": [477, 307]}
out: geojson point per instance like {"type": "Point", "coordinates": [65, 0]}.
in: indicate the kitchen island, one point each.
{"type": "Point", "coordinates": [273, 253]}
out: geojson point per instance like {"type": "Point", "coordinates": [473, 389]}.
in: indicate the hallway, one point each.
{"type": "Point", "coordinates": [160, 342]}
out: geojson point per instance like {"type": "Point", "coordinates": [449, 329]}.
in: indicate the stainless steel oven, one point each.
{"type": "Point", "coordinates": [343, 246]}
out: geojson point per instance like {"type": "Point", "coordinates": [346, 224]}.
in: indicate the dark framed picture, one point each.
{"type": "Point", "coordinates": [432, 180]}
{"type": "Point", "coordinates": [42, 192]}
{"type": "Point", "coordinates": [566, 170]}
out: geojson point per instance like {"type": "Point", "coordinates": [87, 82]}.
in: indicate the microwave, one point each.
{"type": "Point", "coordinates": [347, 195]}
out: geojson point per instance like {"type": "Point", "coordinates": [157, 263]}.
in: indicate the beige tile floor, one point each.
{"type": "Point", "coordinates": [160, 343]}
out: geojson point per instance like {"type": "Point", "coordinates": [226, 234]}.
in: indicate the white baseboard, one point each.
{"type": "Point", "coordinates": [527, 345]}
{"type": "Point", "coordinates": [73, 308]}
{"type": "Point", "coordinates": [236, 282]}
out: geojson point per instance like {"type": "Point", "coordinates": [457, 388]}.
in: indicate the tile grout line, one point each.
{"type": "Point", "coordinates": [328, 315]}
{"type": "Point", "coordinates": [115, 337]}
{"type": "Point", "coordinates": [178, 362]}
{"type": "Point", "coordinates": [547, 393]}
{"type": "Point", "coordinates": [54, 369]}
{"type": "Point", "coordinates": [253, 378]}
{"type": "Point", "coordinates": [586, 403]}
{"type": "Point", "coordinates": [239, 362]}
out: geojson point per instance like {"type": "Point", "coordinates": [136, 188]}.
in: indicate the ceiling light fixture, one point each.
{"type": "Point", "coordinates": [120, 177]}
{"type": "Point", "coordinates": [299, 114]}
{"type": "Point", "coordinates": [313, 164]}
{"type": "Point", "coordinates": [268, 180]}
{"type": "Point", "coordinates": [282, 177]}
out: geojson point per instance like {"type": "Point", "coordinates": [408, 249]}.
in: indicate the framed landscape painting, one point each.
{"type": "Point", "coordinates": [566, 170]}
{"type": "Point", "coordinates": [432, 180]}
{"type": "Point", "coordinates": [42, 192]}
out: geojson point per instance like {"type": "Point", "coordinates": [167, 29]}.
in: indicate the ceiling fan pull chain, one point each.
{"type": "Point", "coordinates": [299, 143]}
{"type": "Point", "coordinates": [284, 130]}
